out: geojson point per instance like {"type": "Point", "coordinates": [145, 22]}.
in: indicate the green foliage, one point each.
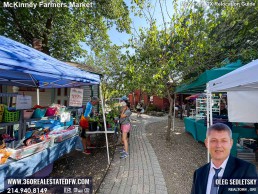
{"type": "Point", "coordinates": [152, 107]}
{"type": "Point", "coordinates": [62, 30]}
{"type": "Point", "coordinates": [112, 64]}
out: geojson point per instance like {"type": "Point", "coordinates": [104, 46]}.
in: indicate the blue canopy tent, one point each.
{"type": "Point", "coordinates": [21, 65]}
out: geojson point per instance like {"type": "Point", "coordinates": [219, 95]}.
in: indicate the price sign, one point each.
{"type": "Point", "coordinates": [23, 102]}
{"type": "Point", "coordinates": [76, 97]}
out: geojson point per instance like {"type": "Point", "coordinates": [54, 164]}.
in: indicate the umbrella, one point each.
{"type": "Point", "coordinates": [194, 96]}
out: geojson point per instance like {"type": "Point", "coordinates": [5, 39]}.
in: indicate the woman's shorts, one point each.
{"type": "Point", "coordinates": [126, 128]}
{"type": "Point", "coordinates": [139, 109]}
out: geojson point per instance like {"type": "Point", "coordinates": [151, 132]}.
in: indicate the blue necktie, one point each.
{"type": "Point", "coordinates": [214, 188]}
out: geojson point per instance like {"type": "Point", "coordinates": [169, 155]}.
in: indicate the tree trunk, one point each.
{"type": "Point", "coordinates": [170, 99]}
{"type": "Point", "coordinates": [133, 101]}
{"type": "Point", "coordinates": [147, 106]}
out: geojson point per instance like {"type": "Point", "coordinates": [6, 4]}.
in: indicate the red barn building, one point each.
{"type": "Point", "coordinates": [160, 103]}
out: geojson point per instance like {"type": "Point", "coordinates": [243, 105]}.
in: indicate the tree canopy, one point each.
{"type": "Point", "coordinates": [63, 30]}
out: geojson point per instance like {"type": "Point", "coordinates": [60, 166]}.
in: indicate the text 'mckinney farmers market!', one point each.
{"type": "Point", "coordinates": [45, 5]}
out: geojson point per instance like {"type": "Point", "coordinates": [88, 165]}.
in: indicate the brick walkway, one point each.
{"type": "Point", "coordinates": [140, 172]}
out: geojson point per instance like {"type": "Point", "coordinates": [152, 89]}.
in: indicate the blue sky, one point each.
{"type": "Point", "coordinates": [137, 22]}
{"type": "Point", "coordinates": [140, 22]}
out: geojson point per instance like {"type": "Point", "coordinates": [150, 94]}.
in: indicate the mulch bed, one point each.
{"type": "Point", "coordinates": [178, 158]}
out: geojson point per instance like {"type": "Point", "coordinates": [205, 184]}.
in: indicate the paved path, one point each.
{"type": "Point", "coordinates": [140, 172]}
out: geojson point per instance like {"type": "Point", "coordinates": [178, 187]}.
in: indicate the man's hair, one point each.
{"type": "Point", "coordinates": [94, 98]}
{"type": "Point", "coordinates": [219, 127]}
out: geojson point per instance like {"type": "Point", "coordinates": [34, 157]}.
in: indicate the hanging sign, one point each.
{"type": "Point", "coordinates": [23, 102]}
{"type": "Point", "coordinates": [76, 97]}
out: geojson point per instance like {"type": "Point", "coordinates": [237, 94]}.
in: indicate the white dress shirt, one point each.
{"type": "Point", "coordinates": [212, 173]}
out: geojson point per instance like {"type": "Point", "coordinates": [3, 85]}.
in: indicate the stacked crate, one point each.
{"type": "Point", "coordinates": [1, 112]}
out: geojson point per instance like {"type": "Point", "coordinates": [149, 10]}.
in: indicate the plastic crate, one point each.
{"type": "Point", "coordinates": [29, 150]}
{"type": "Point", "coordinates": [63, 133]}
{"type": "Point", "coordinates": [1, 112]}
{"type": "Point", "coordinates": [28, 113]}
{"type": "Point", "coordinates": [11, 116]}
{"type": "Point", "coordinates": [1, 107]}
{"type": "Point", "coordinates": [39, 113]}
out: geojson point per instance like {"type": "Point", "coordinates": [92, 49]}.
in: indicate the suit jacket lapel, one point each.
{"type": "Point", "coordinates": [205, 177]}
{"type": "Point", "coordinates": [228, 171]}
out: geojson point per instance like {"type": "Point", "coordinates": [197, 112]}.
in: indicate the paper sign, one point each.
{"type": "Point", "coordinates": [23, 102]}
{"type": "Point", "coordinates": [76, 97]}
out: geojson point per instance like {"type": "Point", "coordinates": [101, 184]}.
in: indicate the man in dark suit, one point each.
{"type": "Point", "coordinates": [219, 142]}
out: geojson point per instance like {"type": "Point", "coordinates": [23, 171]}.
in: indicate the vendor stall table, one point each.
{"type": "Point", "coordinates": [99, 132]}
{"type": "Point", "coordinates": [201, 129]}
{"type": "Point", "coordinates": [198, 130]}
{"type": "Point", "coordinates": [190, 126]}
{"type": "Point", "coordinates": [28, 166]}
{"type": "Point", "coordinates": [245, 132]}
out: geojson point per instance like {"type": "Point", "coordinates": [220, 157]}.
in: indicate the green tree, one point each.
{"type": "Point", "coordinates": [196, 38]}
{"type": "Point", "coordinates": [236, 30]}
{"type": "Point", "coordinates": [224, 32]}
{"type": "Point", "coordinates": [112, 64]}
{"type": "Point", "coordinates": [63, 30]}
{"type": "Point", "coordinates": [160, 54]}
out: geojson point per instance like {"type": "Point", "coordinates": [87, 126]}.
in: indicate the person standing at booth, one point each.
{"type": "Point", "coordinates": [89, 112]}
{"type": "Point", "coordinates": [223, 110]}
{"type": "Point", "coordinates": [125, 126]}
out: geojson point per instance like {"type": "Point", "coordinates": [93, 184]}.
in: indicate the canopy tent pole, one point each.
{"type": "Point", "coordinates": [208, 94]}
{"type": "Point", "coordinates": [209, 114]}
{"type": "Point", "coordinates": [104, 119]}
{"type": "Point", "coordinates": [174, 112]}
{"type": "Point", "coordinates": [37, 96]}
{"type": "Point", "coordinates": [210, 110]}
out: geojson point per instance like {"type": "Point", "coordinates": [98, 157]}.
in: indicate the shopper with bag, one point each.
{"type": "Point", "coordinates": [84, 123]}
{"type": "Point", "coordinates": [139, 109]}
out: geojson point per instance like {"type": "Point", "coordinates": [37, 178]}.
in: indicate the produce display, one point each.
{"type": "Point", "coordinates": [36, 137]}
{"type": "Point", "coordinates": [4, 155]}
{"type": "Point", "coordinates": [63, 133]}
{"type": "Point", "coordinates": [40, 135]}
{"type": "Point", "coordinates": [27, 150]}
{"type": "Point", "coordinates": [6, 138]}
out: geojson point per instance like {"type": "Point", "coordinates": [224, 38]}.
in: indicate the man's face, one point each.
{"type": "Point", "coordinates": [219, 145]}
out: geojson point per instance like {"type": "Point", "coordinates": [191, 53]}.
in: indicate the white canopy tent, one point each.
{"type": "Point", "coordinates": [244, 78]}
{"type": "Point", "coordinates": [241, 86]}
